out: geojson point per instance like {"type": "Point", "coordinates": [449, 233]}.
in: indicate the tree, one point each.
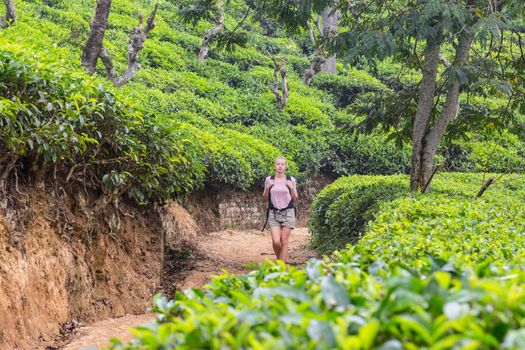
{"type": "Point", "coordinates": [213, 11]}
{"type": "Point", "coordinates": [420, 35]}
{"type": "Point", "coordinates": [319, 61]}
{"type": "Point", "coordinates": [10, 14]}
{"type": "Point", "coordinates": [319, 18]}
{"type": "Point", "coordinates": [281, 97]}
{"type": "Point", "coordinates": [94, 48]}
{"type": "Point", "coordinates": [330, 17]}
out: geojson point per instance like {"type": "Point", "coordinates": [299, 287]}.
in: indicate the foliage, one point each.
{"type": "Point", "coordinates": [393, 290]}
{"type": "Point", "coordinates": [494, 153]}
{"type": "Point", "coordinates": [345, 88]}
{"type": "Point", "coordinates": [366, 154]}
{"type": "Point", "coordinates": [341, 211]}
{"type": "Point", "coordinates": [50, 116]}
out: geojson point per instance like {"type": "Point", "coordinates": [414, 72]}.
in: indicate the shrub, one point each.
{"type": "Point", "coordinates": [366, 155]}
{"type": "Point", "coordinates": [340, 213]}
{"type": "Point", "coordinates": [346, 87]}
{"type": "Point", "coordinates": [49, 116]}
{"type": "Point", "coordinates": [497, 153]}
{"type": "Point", "coordinates": [307, 148]}
{"type": "Point", "coordinates": [393, 290]}
{"type": "Point", "coordinates": [233, 158]}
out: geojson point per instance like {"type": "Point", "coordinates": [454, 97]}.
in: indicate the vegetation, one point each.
{"type": "Point", "coordinates": [201, 111]}
{"type": "Point", "coordinates": [436, 271]}
{"type": "Point", "coordinates": [226, 86]}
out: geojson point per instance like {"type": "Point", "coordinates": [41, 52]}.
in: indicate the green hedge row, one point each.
{"type": "Point", "coordinates": [340, 212]}
{"type": "Point", "coordinates": [440, 271]}
{"type": "Point", "coordinates": [51, 117]}
{"type": "Point", "coordinates": [75, 124]}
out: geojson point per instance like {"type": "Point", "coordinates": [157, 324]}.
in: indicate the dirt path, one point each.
{"type": "Point", "coordinates": [214, 252]}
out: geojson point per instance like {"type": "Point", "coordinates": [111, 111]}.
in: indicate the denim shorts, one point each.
{"type": "Point", "coordinates": [281, 218]}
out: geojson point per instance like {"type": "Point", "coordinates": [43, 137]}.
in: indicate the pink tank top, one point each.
{"type": "Point", "coordinates": [280, 193]}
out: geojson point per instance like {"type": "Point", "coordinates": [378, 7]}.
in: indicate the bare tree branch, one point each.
{"type": "Point", "coordinates": [136, 43]}
{"type": "Point", "coordinates": [210, 35]}
{"type": "Point", "coordinates": [110, 70]}
{"type": "Point", "coordinates": [315, 67]}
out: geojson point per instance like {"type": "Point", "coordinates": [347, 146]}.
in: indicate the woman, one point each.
{"type": "Point", "coordinates": [280, 191]}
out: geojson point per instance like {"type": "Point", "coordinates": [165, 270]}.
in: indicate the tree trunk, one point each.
{"type": "Point", "coordinates": [108, 63]}
{"type": "Point", "coordinates": [94, 43]}
{"type": "Point", "coordinates": [10, 14]}
{"type": "Point", "coordinates": [136, 43]}
{"type": "Point", "coordinates": [210, 35]}
{"type": "Point", "coordinates": [281, 97]}
{"type": "Point", "coordinates": [330, 19]}
{"type": "Point", "coordinates": [423, 113]}
{"type": "Point", "coordinates": [315, 67]}
{"type": "Point", "coordinates": [450, 107]}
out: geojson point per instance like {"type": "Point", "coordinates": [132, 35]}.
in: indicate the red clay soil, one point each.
{"type": "Point", "coordinates": [211, 253]}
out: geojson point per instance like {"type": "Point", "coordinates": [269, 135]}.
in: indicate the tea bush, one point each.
{"type": "Point", "coordinates": [341, 211]}
{"type": "Point", "coordinates": [77, 124]}
{"type": "Point", "coordinates": [441, 271]}
{"type": "Point", "coordinates": [346, 87]}
{"type": "Point", "coordinates": [366, 154]}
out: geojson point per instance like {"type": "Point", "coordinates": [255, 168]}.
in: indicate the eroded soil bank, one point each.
{"type": "Point", "coordinates": [62, 261]}
{"type": "Point", "coordinates": [209, 255]}
{"type": "Point", "coordinates": [70, 257]}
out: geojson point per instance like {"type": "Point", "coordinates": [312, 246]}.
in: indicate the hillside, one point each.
{"type": "Point", "coordinates": [101, 186]}
{"type": "Point", "coordinates": [212, 123]}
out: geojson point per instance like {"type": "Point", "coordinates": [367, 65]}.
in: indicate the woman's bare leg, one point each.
{"type": "Point", "coordinates": [276, 241]}
{"type": "Point", "coordinates": [285, 235]}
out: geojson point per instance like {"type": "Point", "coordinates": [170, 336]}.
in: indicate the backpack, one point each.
{"type": "Point", "coordinates": [270, 205]}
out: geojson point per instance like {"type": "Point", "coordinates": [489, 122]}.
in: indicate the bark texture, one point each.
{"type": "Point", "coordinates": [281, 97]}
{"type": "Point", "coordinates": [426, 138]}
{"type": "Point", "coordinates": [210, 35]}
{"type": "Point", "coordinates": [136, 43]}
{"type": "Point", "coordinates": [424, 111]}
{"type": "Point", "coordinates": [98, 29]}
{"type": "Point", "coordinates": [315, 67]}
{"type": "Point", "coordinates": [10, 14]}
{"type": "Point", "coordinates": [330, 19]}
{"type": "Point", "coordinates": [319, 61]}
{"type": "Point", "coordinates": [450, 109]}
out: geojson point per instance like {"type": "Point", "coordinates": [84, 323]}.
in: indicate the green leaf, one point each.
{"type": "Point", "coordinates": [333, 293]}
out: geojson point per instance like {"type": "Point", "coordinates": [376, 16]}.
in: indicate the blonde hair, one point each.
{"type": "Point", "coordinates": [281, 157]}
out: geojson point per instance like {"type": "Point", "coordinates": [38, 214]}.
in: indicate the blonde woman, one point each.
{"type": "Point", "coordinates": [280, 190]}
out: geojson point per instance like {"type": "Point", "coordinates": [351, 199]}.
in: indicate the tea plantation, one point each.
{"type": "Point", "coordinates": [437, 271]}
{"type": "Point", "coordinates": [402, 270]}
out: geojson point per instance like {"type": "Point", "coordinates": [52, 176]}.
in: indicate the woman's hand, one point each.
{"type": "Point", "coordinates": [269, 184]}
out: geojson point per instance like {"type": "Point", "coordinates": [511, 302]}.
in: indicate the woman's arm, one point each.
{"type": "Point", "coordinates": [267, 185]}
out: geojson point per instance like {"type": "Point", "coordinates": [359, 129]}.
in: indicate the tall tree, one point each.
{"type": "Point", "coordinates": [424, 35]}
{"type": "Point", "coordinates": [10, 14]}
{"type": "Point", "coordinates": [319, 18]}
{"type": "Point", "coordinates": [214, 12]}
{"type": "Point", "coordinates": [319, 61]}
{"type": "Point", "coordinates": [330, 17]}
{"type": "Point", "coordinates": [93, 46]}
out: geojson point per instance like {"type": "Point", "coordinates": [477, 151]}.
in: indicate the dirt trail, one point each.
{"type": "Point", "coordinates": [214, 252]}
